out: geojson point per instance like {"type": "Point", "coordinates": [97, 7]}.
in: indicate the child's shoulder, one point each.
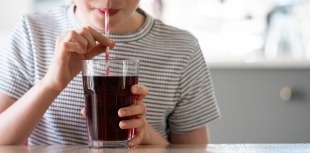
{"type": "Point", "coordinates": [50, 20]}
{"type": "Point", "coordinates": [172, 32]}
{"type": "Point", "coordinates": [53, 14]}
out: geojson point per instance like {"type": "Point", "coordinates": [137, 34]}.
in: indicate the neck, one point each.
{"type": "Point", "coordinates": [132, 24]}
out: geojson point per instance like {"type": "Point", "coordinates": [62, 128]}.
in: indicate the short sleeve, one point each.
{"type": "Point", "coordinates": [16, 62]}
{"type": "Point", "coordinates": [197, 103]}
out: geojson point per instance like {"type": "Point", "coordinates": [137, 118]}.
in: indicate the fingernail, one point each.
{"type": "Point", "coordinates": [131, 144]}
{"type": "Point", "coordinates": [111, 42]}
{"type": "Point", "coordinates": [134, 89]}
{"type": "Point", "coordinates": [121, 113]}
{"type": "Point", "coordinates": [122, 125]}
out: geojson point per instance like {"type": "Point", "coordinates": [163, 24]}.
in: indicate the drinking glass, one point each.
{"type": "Point", "coordinates": [107, 86]}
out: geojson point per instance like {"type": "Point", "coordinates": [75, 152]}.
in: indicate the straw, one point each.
{"type": "Point", "coordinates": [107, 34]}
{"type": "Point", "coordinates": [107, 26]}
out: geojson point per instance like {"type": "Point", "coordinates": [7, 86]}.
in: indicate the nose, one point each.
{"type": "Point", "coordinates": [106, 3]}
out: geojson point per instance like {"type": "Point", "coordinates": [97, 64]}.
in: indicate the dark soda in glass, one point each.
{"type": "Point", "coordinates": [104, 96]}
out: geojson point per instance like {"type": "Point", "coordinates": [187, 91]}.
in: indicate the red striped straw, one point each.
{"type": "Point", "coordinates": [107, 33]}
{"type": "Point", "coordinates": [106, 23]}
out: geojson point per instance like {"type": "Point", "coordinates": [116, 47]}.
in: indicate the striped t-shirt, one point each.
{"type": "Point", "coordinates": [180, 99]}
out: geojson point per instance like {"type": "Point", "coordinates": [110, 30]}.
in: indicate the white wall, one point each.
{"type": "Point", "coordinates": [11, 11]}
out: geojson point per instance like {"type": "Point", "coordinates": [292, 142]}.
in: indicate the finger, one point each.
{"type": "Point", "coordinates": [139, 90]}
{"type": "Point", "coordinates": [83, 112]}
{"type": "Point", "coordinates": [132, 110]}
{"type": "Point", "coordinates": [101, 38]}
{"type": "Point", "coordinates": [137, 139]}
{"type": "Point", "coordinates": [72, 47]}
{"type": "Point", "coordinates": [73, 36]}
{"type": "Point", "coordinates": [91, 42]}
{"type": "Point", "coordinates": [132, 124]}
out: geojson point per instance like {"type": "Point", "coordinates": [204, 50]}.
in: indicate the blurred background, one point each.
{"type": "Point", "coordinates": [258, 52]}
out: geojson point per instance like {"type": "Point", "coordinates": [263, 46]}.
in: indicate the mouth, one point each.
{"type": "Point", "coordinates": [111, 12]}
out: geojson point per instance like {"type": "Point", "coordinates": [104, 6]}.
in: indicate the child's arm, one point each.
{"type": "Point", "coordinates": [198, 136]}
{"type": "Point", "coordinates": [19, 118]}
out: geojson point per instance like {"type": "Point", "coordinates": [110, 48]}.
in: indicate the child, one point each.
{"type": "Point", "coordinates": [41, 91]}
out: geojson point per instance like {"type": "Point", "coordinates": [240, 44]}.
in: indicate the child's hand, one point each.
{"type": "Point", "coordinates": [138, 110]}
{"type": "Point", "coordinates": [71, 49]}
